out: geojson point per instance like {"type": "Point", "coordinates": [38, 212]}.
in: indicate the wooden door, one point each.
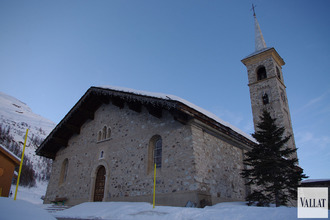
{"type": "Point", "coordinates": [99, 184]}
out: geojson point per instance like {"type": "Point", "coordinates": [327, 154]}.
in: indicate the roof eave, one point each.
{"type": "Point", "coordinates": [96, 96]}
{"type": "Point", "coordinates": [269, 51]}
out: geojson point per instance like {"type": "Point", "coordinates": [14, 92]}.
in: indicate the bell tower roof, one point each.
{"type": "Point", "coordinates": [260, 43]}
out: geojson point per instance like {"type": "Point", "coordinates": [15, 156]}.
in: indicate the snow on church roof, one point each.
{"type": "Point", "coordinates": [257, 52]}
{"type": "Point", "coordinates": [85, 108]}
{"type": "Point", "coordinates": [315, 180]}
{"type": "Point", "coordinates": [183, 101]}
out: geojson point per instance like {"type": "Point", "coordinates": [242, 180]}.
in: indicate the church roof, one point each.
{"type": "Point", "coordinates": [84, 109]}
{"type": "Point", "coordinates": [258, 52]}
{"type": "Point", "coordinates": [269, 51]}
{"type": "Point", "coordinates": [315, 180]}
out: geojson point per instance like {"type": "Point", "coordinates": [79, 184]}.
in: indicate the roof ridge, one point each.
{"type": "Point", "coordinates": [183, 101]}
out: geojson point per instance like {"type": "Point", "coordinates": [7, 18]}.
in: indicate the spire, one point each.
{"type": "Point", "coordinates": [259, 38]}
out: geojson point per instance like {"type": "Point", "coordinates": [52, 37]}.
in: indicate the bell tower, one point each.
{"type": "Point", "coordinates": [266, 84]}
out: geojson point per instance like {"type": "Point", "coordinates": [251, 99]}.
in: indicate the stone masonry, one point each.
{"type": "Point", "coordinates": [198, 162]}
{"type": "Point", "coordinates": [273, 85]}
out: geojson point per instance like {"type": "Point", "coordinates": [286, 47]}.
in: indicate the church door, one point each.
{"type": "Point", "coordinates": [99, 184]}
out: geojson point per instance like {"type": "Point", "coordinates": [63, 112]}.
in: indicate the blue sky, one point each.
{"type": "Point", "coordinates": [51, 52]}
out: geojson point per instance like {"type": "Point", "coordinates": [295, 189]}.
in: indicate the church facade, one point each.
{"type": "Point", "coordinates": [106, 147]}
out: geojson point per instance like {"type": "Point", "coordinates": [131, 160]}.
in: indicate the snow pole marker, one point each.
{"type": "Point", "coordinates": [20, 166]}
{"type": "Point", "coordinates": [154, 196]}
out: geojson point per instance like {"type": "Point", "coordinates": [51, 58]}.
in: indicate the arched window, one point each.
{"type": "Point", "coordinates": [99, 136]}
{"type": "Point", "coordinates": [155, 153]}
{"type": "Point", "coordinates": [278, 73]}
{"type": "Point", "coordinates": [101, 154]}
{"type": "Point", "coordinates": [104, 133]}
{"type": "Point", "coordinates": [158, 153]}
{"type": "Point", "coordinates": [265, 99]}
{"type": "Point", "coordinates": [64, 171]}
{"type": "Point", "coordinates": [108, 133]}
{"type": "Point", "coordinates": [261, 73]}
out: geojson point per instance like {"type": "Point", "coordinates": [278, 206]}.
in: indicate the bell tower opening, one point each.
{"type": "Point", "coordinates": [261, 73]}
{"type": "Point", "coordinates": [278, 73]}
{"type": "Point", "coordinates": [265, 99]}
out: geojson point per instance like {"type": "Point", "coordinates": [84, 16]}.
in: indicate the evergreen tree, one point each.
{"type": "Point", "coordinates": [271, 169]}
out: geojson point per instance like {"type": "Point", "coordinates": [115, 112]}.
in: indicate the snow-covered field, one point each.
{"type": "Point", "coordinates": [32, 195]}
{"type": "Point", "coordinates": [144, 211]}
{"type": "Point", "coordinates": [20, 209]}
{"type": "Point", "coordinates": [29, 206]}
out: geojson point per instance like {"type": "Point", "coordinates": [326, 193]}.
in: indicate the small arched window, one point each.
{"type": "Point", "coordinates": [278, 73]}
{"type": "Point", "coordinates": [261, 73]}
{"type": "Point", "coordinates": [64, 171]}
{"type": "Point", "coordinates": [101, 154]}
{"type": "Point", "coordinates": [265, 99]}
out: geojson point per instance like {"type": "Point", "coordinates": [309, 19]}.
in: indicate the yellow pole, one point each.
{"type": "Point", "coordinates": [153, 204]}
{"type": "Point", "coordinates": [20, 166]}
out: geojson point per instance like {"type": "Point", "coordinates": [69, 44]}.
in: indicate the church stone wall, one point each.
{"type": "Point", "coordinates": [218, 167]}
{"type": "Point", "coordinates": [196, 166]}
{"type": "Point", "coordinates": [125, 158]}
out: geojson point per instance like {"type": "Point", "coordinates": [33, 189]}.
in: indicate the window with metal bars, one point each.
{"type": "Point", "coordinates": [158, 153]}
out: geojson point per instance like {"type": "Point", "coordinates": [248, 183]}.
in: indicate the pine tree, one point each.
{"type": "Point", "coordinates": [271, 169]}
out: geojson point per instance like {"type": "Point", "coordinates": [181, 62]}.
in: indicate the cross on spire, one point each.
{"type": "Point", "coordinates": [253, 6]}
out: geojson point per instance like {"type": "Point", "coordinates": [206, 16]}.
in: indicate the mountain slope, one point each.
{"type": "Point", "coordinates": [15, 118]}
{"type": "Point", "coordinates": [17, 112]}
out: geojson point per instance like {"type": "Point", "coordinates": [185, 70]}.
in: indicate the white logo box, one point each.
{"type": "Point", "coordinates": [312, 202]}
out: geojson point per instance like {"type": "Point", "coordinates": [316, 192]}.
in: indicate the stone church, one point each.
{"type": "Point", "coordinates": [107, 145]}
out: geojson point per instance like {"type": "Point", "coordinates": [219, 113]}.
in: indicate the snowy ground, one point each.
{"type": "Point", "coordinates": [30, 206]}
{"type": "Point", "coordinates": [32, 195]}
{"type": "Point", "coordinates": [20, 209]}
{"type": "Point", "coordinates": [144, 211]}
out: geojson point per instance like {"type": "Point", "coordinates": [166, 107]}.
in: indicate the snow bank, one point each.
{"type": "Point", "coordinates": [19, 209]}
{"type": "Point", "coordinates": [12, 210]}
{"type": "Point", "coordinates": [32, 195]}
{"type": "Point", "coordinates": [144, 211]}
